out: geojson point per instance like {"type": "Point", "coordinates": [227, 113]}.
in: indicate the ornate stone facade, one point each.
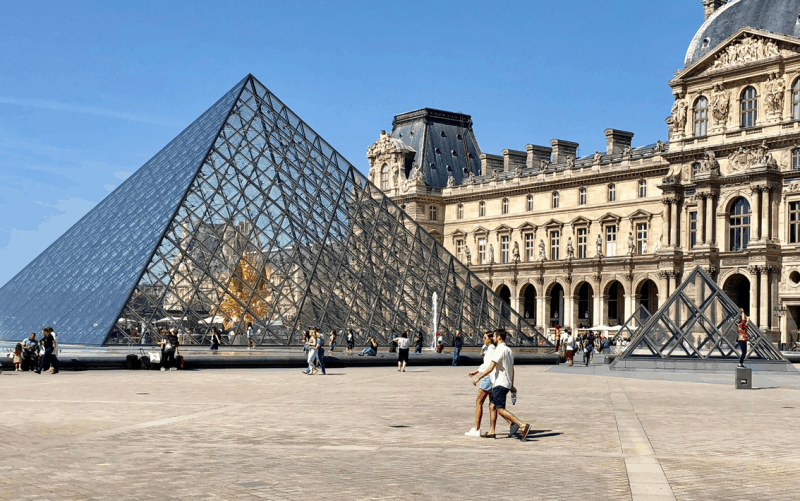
{"type": "Point", "coordinates": [594, 237]}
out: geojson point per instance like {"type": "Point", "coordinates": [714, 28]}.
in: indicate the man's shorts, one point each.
{"type": "Point", "coordinates": [486, 384]}
{"type": "Point", "coordinates": [498, 396]}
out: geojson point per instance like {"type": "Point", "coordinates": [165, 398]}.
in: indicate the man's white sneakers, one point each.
{"type": "Point", "coordinates": [473, 433]}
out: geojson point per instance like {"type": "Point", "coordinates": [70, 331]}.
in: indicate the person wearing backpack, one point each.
{"type": "Point", "coordinates": [588, 348]}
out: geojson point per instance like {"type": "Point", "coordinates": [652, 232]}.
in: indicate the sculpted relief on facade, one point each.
{"type": "Point", "coordinates": [746, 50]}
{"type": "Point", "coordinates": [775, 89]}
{"type": "Point", "coordinates": [720, 105]}
{"type": "Point", "coordinates": [745, 158]}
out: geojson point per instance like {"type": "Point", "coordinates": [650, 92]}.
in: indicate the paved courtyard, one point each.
{"type": "Point", "coordinates": [374, 433]}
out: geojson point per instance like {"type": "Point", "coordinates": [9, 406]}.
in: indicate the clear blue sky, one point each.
{"type": "Point", "coordinates": [89, 91]}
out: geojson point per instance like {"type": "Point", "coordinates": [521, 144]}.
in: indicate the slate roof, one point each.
{"type": "Point", "coordinates": [777, 16]}
{"type": "Point", "coordinates": [444, 142]}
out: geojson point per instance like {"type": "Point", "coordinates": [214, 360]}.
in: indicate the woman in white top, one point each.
{"type": "Point", "coordinates": [402, 351]}
{"type": "Point", "coordinates": [485, 388]}
{"type": "Point", "coordinates": [569, 347]}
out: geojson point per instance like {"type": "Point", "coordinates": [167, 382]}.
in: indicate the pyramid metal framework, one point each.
{"type": "Point", "coordinates": [632, 326]}
{"type": "Point", "coordinates": [698, 321]}
{"type": "Point", "coordinates": [249, 217]}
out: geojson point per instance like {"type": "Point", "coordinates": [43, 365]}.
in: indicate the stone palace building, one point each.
{"type": "Point", "coordinates": [582, 241]}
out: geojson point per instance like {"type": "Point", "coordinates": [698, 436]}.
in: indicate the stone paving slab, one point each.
{"type": "Point", "coordinates": [374, 433]}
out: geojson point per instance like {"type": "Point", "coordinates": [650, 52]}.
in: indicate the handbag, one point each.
{"type": "Point", "coordinates": [155, 357]}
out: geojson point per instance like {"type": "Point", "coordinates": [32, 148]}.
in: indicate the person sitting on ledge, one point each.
{"type": "Point", "coordinates": [372, 348]}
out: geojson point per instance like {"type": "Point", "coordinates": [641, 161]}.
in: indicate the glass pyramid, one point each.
{"type": "Point", "coordinates": [632, 326]}
{"type": "Point", "coordinates": [699, 322]}
{"type": "Point", "coordinates": [249, 217]}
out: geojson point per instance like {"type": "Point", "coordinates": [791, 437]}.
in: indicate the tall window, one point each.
{"type": "Point", "coordinates": [505, 206]}
{"type": "Point", "coordinates": [433, 213]}
{"type": "Point", "coordinates": [695, 168]}
{"type": "Point", "coordinates": [642, 188]}
{"type": "Point", "coordinates": [482, 209]}
{"type": "Point", "coordinates": [460, 249]}
{"type": "Point", "coordinates": [582, 196]}
{"type": "Point", "coordinates": [529, 247]}
{"type": "Point", "coordinates": [701, 117]}
{"type": "Point", "coordinates": [555, 239]}
{"type": "Point", "coordinates": [555, 200]}
{"type": "Point", "coordinates": [582, 237]}
{"type": "Point", "coordinates": [749, 107]}
{"type": "Point", "coordinates": [739, 222]}
{"type": "Point", "coordinates": [481, 251]}
{"type": "Point", "coordinates": [692, 229]}
{"type": "Point", "coordinates": [641, 238]}
{"type": "Point", "coordinates": [504, 250]}
{"type": "Point", "coordinates": [385, 177]}
{"type": "Point", "coordinates": [794, 222]}
{"type": "Point", "coordinates": [611, 240]}
{"type": "Point", "coordinates": [529, 203]}
{"type": "Point", "coordinates": [796, 100]}
{"type": "Point", "coordinates": [460, 211]}
{"type": "Point", "coordinates": [612, 192]}
{"type": "Point", "coordinates": [796, 159]}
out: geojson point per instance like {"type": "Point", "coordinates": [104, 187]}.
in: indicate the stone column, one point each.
{"type": "Point", "coordinates": [765, 222]}
{"type": "Point", "coordinates": [754, 294]}
{"type": "Point", "coordinates": [540, 308]}
{"type": "Point", "coordinates": [663, 288]}
{"type": "Point", "coordinates": [774, 273]}
{"type": "Point", "coordinates": [701, 218]}
{"type": "Point", "coordinates": [597, 308]}
{"type": "Point", "coordinates": [573, 318]}
{"type": "Point", "coordinates": [681, 310]}
{"type": "Point", "coordinates": [755, 219]}
{"type": "Point", "coordinates": [665, 228]}
{"type": "Point", "coordinates": [673, 223]}
{"type": "Point", "coordinates": [763, 296]}
{"type": "Point", "coordinates": [710, 237]}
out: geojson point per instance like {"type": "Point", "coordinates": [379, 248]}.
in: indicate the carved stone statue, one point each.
{"type": "Point", "coordinates": [417, 176]}
{"type": "Point", "coordinates": [774, 94]}
{"type": "Point", "coordinates": [709, 162]}
{"type": "Point", "coordinates": [720, 105]}
{"type": "Point", "coordinates": [542, 253]}
{"type": "Point", "coordinates": [679, 110]}
{"type": "Point", "coordinates": [515, 252]}
{"type": "Point", "coordinates": [517, 171]}
{"type": "Point", "coordinates": [746, 50]}
{"type": "Point", "coordinates": [597, 158]}
{"type": "Point", "coordinates": [744, 158]}
{"type": "Point", "coordinates": [570, 249]}
{"type": "Point", "coordinates": [451, 181]}
{"type": "Point", "coordinates": [627, 153]}
{"type": "Point", "coordinates": [543, 164]}
{"type": "Point", "coordinates": [467, 255]}
{"type": "Point", "coordinates": [471, 178]}
{"type": "Point", "coordinates": [491, 254]}
{"type": "Point", "coordinates": [599, 245]}
{"type": "Point", "coordinates": [657, 246]}
{"type": "Point", "coordinates": [660, 147]}
{"type": "Point", "coordinates": [631, 243]}
{"type": "Point", "coordinates": [570, 163]}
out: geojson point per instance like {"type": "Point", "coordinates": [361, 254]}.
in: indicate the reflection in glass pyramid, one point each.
{"type": "Point", "coordinates": [249, 218]}
{"type": "Point", "coordinates": [698, 322]}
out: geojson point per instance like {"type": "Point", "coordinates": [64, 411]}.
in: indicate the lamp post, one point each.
{"type": "Point", "coordinates": [780, 312]}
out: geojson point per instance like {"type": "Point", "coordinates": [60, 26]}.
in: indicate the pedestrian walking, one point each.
{"type": "Point", "coordinates": [741, 339]}
{"type": "Point", "coordinates": [320, 350]}
{"type": "Point", "coordinates": [485, 387]}
{"type": "Point", "coordinates": [215, 339]}
{"type": "Point", "coordinates": [588, 347]}
{"type": "Point", "coordinates": [50, 345]}
{"type": "Point", "coordinates": [351, 341]}
{"type": "Point", "coordinates": [250, 343]}
{"type": "Point", "coordinates": [310, 346]}
{"type": "Point", "coordinates": [402, 351]}
{"type": "Point", "coordinates": [569, 346]}
{"type": "Point", "coordinates": [419, 340]}
{"type": "Point", "coordinates": [502, 369]}
{"type": "Point", "coordinates": [332, 340]}
{"type": "Point", "coordinates": [458, 343]}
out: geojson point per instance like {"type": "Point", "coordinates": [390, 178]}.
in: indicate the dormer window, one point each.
{"type": "Point", "coordinates": [443, 134]}
{"type": "Point", "coordinates": [433, 166]}
{"type": "Point", "coordinates": [458, 137]}
{"type": "Point", "coordinates": [437, 151]}
{"type": "Point", "coordinates": [454, 153]}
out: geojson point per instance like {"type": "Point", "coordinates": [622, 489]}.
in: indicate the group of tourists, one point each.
{"type": "Point", "coordinates": [567, 345]}
{"type": "Point", "coordinates": [37, 355]}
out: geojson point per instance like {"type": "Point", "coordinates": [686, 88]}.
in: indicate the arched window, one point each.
{"type": "Point", "coordinates": [481, 209]}
{"type": "Point", "coordinates": [796, 100]}
{"type": "Point", "coordinates": [460, 211]}
{"type": "Point", "coordinates": [612, 192]}
{"type": "Point", "coordinates": [739, 223]}
{"type": "Point", "coordinates": [582, 196]}
{"type": "Point", "coordinates": [529, 203]}
{"type": "Point", "coordinates": [642, 188]}
{"type": "Point", "coordinates": [701, 117]}
{"type": "Point", "coordinates": [505, 206]}
{"type": "Point", "coordinates": [555, 200]}
{"type": "Point", "coordinates": [385, 177]}
{"type": "Point", "coordinates": [749, 107]}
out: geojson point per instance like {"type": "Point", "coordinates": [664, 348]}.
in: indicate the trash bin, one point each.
{"type": "Point", "coordinates": [744, 378]}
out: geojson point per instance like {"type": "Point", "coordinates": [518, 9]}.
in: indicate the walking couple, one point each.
{"type": "Point", "coordinates": [496, 379]}
{"type": "Point", "coordinates": [313, 345]}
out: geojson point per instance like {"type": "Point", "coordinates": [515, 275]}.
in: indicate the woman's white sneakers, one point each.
{"type": "Point", "coordinates": [473, 433]}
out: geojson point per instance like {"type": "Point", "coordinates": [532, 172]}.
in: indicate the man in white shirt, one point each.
{"type": "Point", "coordinates": [501, 368]}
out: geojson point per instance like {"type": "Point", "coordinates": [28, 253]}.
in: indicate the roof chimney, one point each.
{"type": "Point", "coordinates": [617, 140]}
{"type": "Point", "coordinates": [536, 154]}
{"type": "Point", "coordinates": [711, 6]}
{"type": "Point", "coordinates": [513, 159]}
{"type": "Point", "coordinates": [563, 149]}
